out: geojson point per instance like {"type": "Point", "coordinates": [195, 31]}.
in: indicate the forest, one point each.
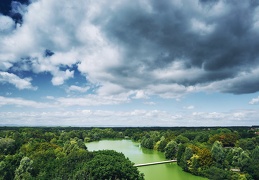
{"type": "Point", "coordinates": [60, 152]}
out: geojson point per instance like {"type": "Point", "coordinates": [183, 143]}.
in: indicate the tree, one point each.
{"type": "Point", "coordinates": [188, 153]}
{"type": "Point", "coordinates": [8, 166]}
{"type": "Point", "coordinates": [147, 142]}
{"type": "Point", "coordinates": [180, 153]}
{"type": "Point", "coordinates": [171, 150]}
{"type": "Point", "coordinates": [161, 144]}
{"type": "Point", "coordinates": [200, 160]}
{"type": "Point", "coordinates": [246, 144]}
{"type": "Point", "coordinates": [227, 139]}
{"type": "Point", "coordinates": [24, 169]}
{"type": "Point", "coordinates": [240, 158]}
{"type": "Point", "coordinates": [74, 145]}
{"type": "Point", "coordinates": [7, 146]}
{"type": "Point", "coordinates": [70, 165]}
{"type": "Point", "coordinates": [205, 157]}
{"type": "Point", "coordinates": [253, 166]}
{"type": "Point", "coordinates": [215, 173]}
{"type": "Point", "coordinates": [202, 137]}
{"type": "Point", "coordinates": [194, 164]}
{"type": "Point", "coordinates": [109, 164]}
{"type": "Point", "coordinates": [244, 160]}
{"type": "Point", "coordinates": [217, 152]}
{"type": "Point", "coordinates": [181, 139]}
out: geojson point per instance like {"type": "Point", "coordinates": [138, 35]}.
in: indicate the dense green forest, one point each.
{"type": "Point", "coordinates": [60, 153]}
{"type": "Point", "coordinates": [53, 153]}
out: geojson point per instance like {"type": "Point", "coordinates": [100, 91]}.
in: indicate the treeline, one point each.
{"type": "Point", "coordinates": [60, 153]}
{"type": "Point", "coordinates": [54, 153]}
{"type": "Point", "coordinates": [215, 153]}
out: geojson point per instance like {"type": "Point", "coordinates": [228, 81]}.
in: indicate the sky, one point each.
{"type": "Point", "coordinates": [129, 63]}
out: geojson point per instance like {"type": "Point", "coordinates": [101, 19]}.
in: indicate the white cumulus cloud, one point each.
{"type": "Point", "coordinates": [189, 107]}
{"type": "Point", "coordinates": [19, 102]}
{"type": "Point", "coordinates": [137, 118]}
{"type": "Point", "coordinates": [6, 24]}
{"type": "Point", "coordinates": [254, 101]}
{"type": "Point", "coordinates": [18, 82]}
{"type": "Point", "coordinates": [78, 88]}
{"type": "Point", "coordinates": [61, 76]}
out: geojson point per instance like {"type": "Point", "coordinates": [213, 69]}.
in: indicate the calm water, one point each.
{"type": "Point", "coordinates": [140, 155]}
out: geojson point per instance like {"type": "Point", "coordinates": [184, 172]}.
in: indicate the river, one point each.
{"type": "Point", "coordinates": [140, 155]}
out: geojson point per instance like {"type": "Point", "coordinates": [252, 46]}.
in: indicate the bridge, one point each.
{"type": "Point", "coordinates": [154, 163]}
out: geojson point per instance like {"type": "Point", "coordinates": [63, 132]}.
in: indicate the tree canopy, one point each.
{"type": "Point", "coordinates": [60, 153]}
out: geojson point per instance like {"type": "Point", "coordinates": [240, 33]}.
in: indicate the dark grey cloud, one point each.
{"type": "Point", "coordinates": [242, 87]}
{"type": "Point", "coordinates": [216, 37]}
{"type": "Point", "coordinates": [14, 9]}
{"type": "Point", "coordinates": [249, 84]}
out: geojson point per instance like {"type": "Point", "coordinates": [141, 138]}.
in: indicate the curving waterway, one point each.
{"type": "Point", "coordinates": [140, 155]}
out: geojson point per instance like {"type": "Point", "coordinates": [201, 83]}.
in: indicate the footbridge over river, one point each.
{"type": "Point", "coordinates": [154, 163]}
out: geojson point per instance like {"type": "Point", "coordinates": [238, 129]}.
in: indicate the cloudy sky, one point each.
{"type": "Point", "coordinates": [129, 63]}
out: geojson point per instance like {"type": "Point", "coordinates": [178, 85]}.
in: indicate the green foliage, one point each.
{"type": "Point", "coordinates": [227, 139]}
{"type": "Point", "coordinates": [239, 158]}
{"type": "Point", "coordinates": [109, 164]}
{"type": "Point", "coordinates": [217, 152]}
{"type": "Point", "coordinates": [215, 173]}
{"type": "Point", "coordinates": [202, 137]}
{"type": "Point", "coordinates": [73, 145]}
{"type": "Point", "coordinates": [194, 164]}
{"type": "Point", "coordinates": [247, 144]}
{"type": "Point", "coordinates": [205, 157]}
{"type": "Point", "coordinates": [181, 139]}
{"type": "Point", "coordinates": [24, 169]}
{"type": "Point", "coordinates": [161, 144]}
{"type": "Point", "coordinates": [190, 135]}
{"type": "Point", "coordinates": [8, 166]}
{"type": "Point", "coordinates": [171, 150]}
{"type": "Point", "coordinates": [60, 153]}
{"type": "Point", "coordinates": [253, 166]}
{"type": "Point", "coordinates": [180, 153]}
{"type": "Point", "coordinates": [223, 130]}
{"type": "Point", "coordinates": [148, 143]}
{"type": "Point", "coordinates": [187, 155]}
{"type": "Point", "coordinates": [71, 165]}
{"type": "Point", "coordinates": [7, 146]}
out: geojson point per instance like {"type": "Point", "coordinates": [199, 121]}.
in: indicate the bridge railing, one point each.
{"type": "Point", "coordinates": [154, 163]}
